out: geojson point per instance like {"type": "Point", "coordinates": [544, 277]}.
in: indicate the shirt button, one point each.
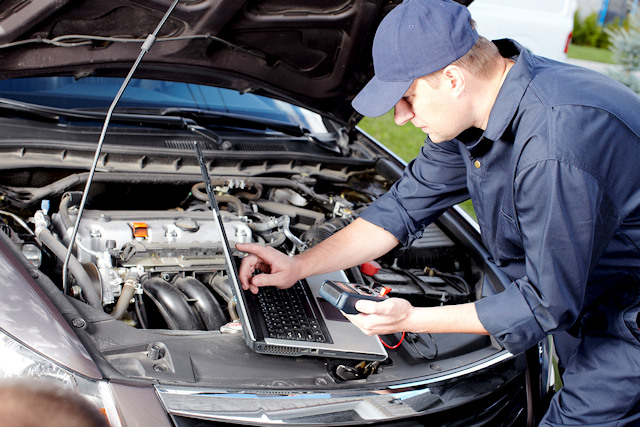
{"type": "Point", "coordinates": [477, 164]}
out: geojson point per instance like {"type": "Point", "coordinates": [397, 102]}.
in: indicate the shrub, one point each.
{"type": "Point", "coordinates": [587, 31]}
{"type": "Point", "coordinates": [625, 46]}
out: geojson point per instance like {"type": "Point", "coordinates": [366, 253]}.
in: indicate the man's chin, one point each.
{"type": "Point", "coordinates": [435, 138]}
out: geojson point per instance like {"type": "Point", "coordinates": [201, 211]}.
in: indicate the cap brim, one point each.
{"type": "Point", "coordinates": [378, 97]}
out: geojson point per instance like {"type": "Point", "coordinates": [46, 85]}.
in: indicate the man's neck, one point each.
{"type": "Point", "coordinates": [490, 91]}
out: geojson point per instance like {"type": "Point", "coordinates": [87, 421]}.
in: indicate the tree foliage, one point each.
{"type": "Point", "coordinates": [625, 46]}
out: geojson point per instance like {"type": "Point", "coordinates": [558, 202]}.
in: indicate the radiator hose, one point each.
{"type": "Point", "coordinates": [75, 268]}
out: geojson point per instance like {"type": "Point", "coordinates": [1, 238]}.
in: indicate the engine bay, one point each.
{"type": "Point", "coordinates": [181, 244]}
{"type": "Point", "coordinates": [148, 255]}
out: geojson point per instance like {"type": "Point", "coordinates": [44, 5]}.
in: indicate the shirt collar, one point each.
{"type": "Point", "coordinates": [509, 96]}
{"type": "Point", "coordinates": [512, 90]}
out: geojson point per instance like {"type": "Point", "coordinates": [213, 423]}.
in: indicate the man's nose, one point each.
{"type": "Point", "coordinates": [402, 112]}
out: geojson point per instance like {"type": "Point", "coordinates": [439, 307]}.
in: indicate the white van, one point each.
{"type": "Point", "coordinates": [544, 27]}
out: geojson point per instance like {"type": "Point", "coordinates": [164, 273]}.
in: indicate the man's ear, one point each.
{"type": "Point", "coordinates": [454, 79]}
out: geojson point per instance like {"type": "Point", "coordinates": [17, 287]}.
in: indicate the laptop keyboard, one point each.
{"type": "Point", "coordinates": [288, 314]}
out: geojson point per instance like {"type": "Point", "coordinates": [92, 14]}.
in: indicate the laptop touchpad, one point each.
{"type": "Point", "coordinates": [330, 312]}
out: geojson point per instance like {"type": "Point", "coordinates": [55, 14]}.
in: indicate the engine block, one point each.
{"type": "Point", "coordinates": [159, 239]}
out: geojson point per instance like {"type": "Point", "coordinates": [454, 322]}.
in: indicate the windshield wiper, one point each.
{"type": "Point", "coordinates": [58, 115]}
{"type": "Point", "coordinates": [233, 120]}
{"type": "Point", "coordinates": [61, 115]}
{"type": "Point", "coordinates": [195, 120]}
{"type": "Point", "coordinates": [30, 111]}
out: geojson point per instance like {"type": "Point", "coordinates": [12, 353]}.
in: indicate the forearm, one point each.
{"type": "Point", "coordinates": [461, 318]}
{"type": "Point", "coordinates": [359, 242]}
{"type": "Point", "coordinates": [398, 315]}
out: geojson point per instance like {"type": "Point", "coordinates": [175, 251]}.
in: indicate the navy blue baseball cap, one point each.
{"type": "Point", "coordinates": [417, 38]}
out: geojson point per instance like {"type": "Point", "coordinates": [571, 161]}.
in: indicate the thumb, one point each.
{"type": "Point", "coordinates": [277, 279]}
{"type": "Point", "coordinates": [366, 306]}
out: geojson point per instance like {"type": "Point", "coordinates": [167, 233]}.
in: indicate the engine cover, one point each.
{"type": "Point", "coordinates": [155, 239]}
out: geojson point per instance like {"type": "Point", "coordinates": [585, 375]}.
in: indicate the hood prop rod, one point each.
{"type": "Point", "coordinates": [151, 38]}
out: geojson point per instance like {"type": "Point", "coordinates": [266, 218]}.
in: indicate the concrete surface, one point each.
{"type": "Point", "coordinates": [597, 66]}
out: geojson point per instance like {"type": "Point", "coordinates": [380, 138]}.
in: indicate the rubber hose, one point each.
{"type": "Point", "coordinates": [275, 239]}
{"type": "Point", "coordinates": [199, 192]}
{"type": "Point", "coordinates": [128, 290]}
{"type": "Point", "coordinates": [251, 196]}
{"type": "Point", "coordinates": [63, 210]}
{"type": "Point", "coordinates": [76, 269]}
{"type": "Point", "coordinates": [232, 200]}
{"type": "Point", "coordinates": [265, 225]}
{"type": "Point", "coordinates": [318, 233]}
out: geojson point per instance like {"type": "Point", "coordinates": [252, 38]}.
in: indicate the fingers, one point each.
{"type": "Point", "coordinates": [262, 255]}
{"type": "Point", "coordinates": [248, 247]}
{"type": "Point", "coordinates": [381, 317]}
{"type": "Point", "coordinates": [249, 264]}
{"type": "Point", "coordinates": [247, 267]}
{"type": "Point", "coordinates": [265, 259]}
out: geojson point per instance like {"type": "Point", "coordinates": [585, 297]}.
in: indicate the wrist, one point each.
{"type": "Point", "coordinates": [415, 320]}
{"type": "Point", "coordinates": [306, 264]}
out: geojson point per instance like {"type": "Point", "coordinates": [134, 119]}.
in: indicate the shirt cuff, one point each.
{"type": "Point", "coordinates": [509, 319]}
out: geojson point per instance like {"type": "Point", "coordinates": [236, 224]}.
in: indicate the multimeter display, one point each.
{"type": "Point", "coordinates": [343, 295]}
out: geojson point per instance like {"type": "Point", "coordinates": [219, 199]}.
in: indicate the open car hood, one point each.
{"type": "Point", "coordinates": [316, 54]}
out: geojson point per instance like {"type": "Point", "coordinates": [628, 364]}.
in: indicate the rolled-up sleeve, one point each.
{"type": "Point", "coordinates": [434, 181]}
{"type": "Point", "coordinates": [566, 219]}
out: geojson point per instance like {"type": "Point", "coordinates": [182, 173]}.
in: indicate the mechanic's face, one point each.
{"type": "Point", "coordinates": [434, 110]}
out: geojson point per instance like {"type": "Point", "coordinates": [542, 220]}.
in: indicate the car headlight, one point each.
{"type": "Point", "coordinates": [19, 361]}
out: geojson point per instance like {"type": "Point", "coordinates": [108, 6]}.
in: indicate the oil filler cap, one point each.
{"type": "Point", "coordinates": [187, 225]}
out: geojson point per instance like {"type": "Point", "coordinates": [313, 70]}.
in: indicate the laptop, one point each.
{"type": "Point", "coordinates": [294, 321]}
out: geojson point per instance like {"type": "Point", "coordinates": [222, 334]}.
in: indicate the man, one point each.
{"type": "Point", "coordinates": [547, 152]}
{"type": "Point", "coordinates": [33, 402]}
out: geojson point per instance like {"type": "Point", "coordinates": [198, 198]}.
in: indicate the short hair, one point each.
{"type": "Point", "coordinates": [480, 61]}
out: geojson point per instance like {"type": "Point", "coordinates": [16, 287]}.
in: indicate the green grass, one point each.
{"type": "Point", "coordinates": [590, 53]}
{"type": "Point", "coordinates": [405, 141]}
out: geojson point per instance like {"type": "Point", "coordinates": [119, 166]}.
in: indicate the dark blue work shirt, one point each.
{"type": "Point", "coordinates": [555, 181]}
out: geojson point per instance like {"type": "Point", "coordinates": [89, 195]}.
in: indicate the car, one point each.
{"type": "Point", "coordinates": [106, 220]}
{"type": "Point", "coordinates": [544, 27]}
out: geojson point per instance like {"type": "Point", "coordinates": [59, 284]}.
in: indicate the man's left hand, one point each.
{"type": "Point", "coordinates": [382, 317]}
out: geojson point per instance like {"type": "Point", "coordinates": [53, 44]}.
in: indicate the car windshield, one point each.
{"type": "Point", "coordinates": [98, 93]}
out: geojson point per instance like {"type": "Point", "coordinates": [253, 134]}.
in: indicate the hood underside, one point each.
{"type": "Point", "coordinates": [316, 54]}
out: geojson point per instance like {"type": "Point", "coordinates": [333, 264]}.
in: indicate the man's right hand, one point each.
{"type": "Point", "coordinates": [343, 249]}
{"type": "Point", "coordinates": [274, 268]}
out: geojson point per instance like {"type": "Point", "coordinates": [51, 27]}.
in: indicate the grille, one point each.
{"type": "Point", "coordinates": [281, 350]}
{"type": "Point", "coordinates": [258, 146]}
{"type": "Point", "coordinates": [185, 144]}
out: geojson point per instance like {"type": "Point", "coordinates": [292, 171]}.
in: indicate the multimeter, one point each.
{"type": "Point", "coordinates": [343, 295]}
